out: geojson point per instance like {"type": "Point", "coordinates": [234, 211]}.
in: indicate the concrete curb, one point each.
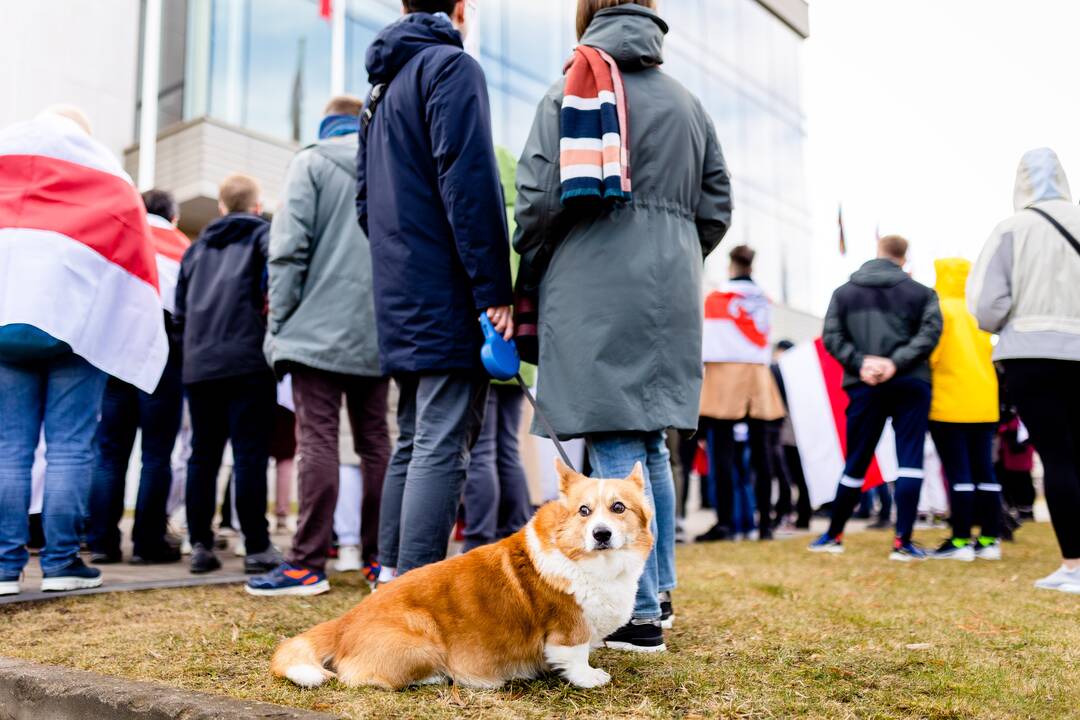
{"type": "Point", "coordinates": [39, 692]}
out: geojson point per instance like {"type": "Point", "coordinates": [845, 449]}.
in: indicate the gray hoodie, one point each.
{"type": "Point", "coordinates": [322, 312]}
{"type": "Point", "coordinates": [1025, 285]}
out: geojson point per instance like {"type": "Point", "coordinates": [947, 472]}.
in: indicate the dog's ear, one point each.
{"type": "Point", "coordinates": [637, 476]}
{"type": "Point", "coordinates": [567, 477]}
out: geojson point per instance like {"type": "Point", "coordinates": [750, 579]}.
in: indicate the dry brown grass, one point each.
{"type": "Point", "coordinates": [763, 631]}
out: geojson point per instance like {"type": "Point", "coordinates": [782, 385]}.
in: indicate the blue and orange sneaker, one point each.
{"type": "Point", "coordinates": [827, 544]}
{"type": "Point", "coordinates": [371, 571]}
{"type": "Point", "coordinates": [288, 579]}
{"type": "Point", "coordinates": [906, 551]}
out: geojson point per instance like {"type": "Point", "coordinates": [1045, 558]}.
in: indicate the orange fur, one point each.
{"type": "Point", "coordinates": [485, 617]}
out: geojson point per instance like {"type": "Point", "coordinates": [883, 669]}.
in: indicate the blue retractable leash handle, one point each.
{"type": "Point", "coordinates": [500, 358]}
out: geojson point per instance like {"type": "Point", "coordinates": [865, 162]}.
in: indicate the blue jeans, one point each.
{"type": "Point", "coordinates": [613, 456]}
{"type": "Point", "coordinates": [496, 497]}
{"type": "Point", "coordinates": [439, 417]}
{"type": "Point", "coordinates": [124, 410]}
{"type": "Point", "coordinates": [63, 394]}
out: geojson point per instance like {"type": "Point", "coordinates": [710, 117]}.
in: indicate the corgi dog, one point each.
{"type": "Point", "coordinates": [536, 601]}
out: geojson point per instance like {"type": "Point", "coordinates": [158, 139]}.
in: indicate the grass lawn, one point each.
{"type": "Point", "coordinates": [762, 631]}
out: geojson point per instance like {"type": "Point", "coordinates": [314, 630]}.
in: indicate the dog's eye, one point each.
{"type": "Point", "coordinates": [618, 508]}
{"type": "Point", "coordinates": [584, 511]}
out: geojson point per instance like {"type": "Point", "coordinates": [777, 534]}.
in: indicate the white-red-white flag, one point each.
{"type": "Point", "coordinates": [737, 324]}
{"type": "Point", "coordinates": [76, 259]}
{"type": "Point", "coordinates": [169, 247]}
{"type": "Point", "coordinates": [813, 384]}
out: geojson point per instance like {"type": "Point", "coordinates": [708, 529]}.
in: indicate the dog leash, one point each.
{"type": "Point", "coordinates": [501, 360]}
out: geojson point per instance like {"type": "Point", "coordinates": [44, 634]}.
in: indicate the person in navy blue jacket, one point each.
{"type": "Point", "coordinates": [430, 201]}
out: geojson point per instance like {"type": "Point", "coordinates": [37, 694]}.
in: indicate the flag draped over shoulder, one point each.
{"type": "Point", "coordinates": [76, 259]}
{"type": "Point", "coordinates": [594, 143]}
{"type": "Point", "coordinates": [737, 324]}
{"type": "Point", "coordinates": [169, 245]}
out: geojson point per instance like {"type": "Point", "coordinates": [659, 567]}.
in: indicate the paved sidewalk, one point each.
{"type": "Point", "coordinates": [122, 576]}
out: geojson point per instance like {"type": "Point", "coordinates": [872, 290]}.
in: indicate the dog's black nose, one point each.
{"type": "Point", "coordinates": [601, 535]}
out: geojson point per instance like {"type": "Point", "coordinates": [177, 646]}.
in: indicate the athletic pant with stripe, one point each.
{"type": "Point", "coordinates": [966, 452]}
{"type": "Point", "coordinates": [907, 401]}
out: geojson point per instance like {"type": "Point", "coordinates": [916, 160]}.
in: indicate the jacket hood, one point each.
{"type": "Point", "coordinates": [952, 276]}
{"type": "Point", "coordinates": [339, 150]}
{"type": "Point", "coordinates": [399, 42]}
{"type": "Point", "coordinates": [879, 273]}
{"type": "Point", "coordinates": [631, 34]}
{"type": "Point", "coordinates": [231, 228]}
{"type": "Point", "coordinates": [1039, 177]}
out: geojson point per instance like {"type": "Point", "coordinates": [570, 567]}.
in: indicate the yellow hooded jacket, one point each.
{"type": "Point", "coordinates": [964, 381]}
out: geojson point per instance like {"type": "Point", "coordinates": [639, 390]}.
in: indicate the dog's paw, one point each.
{"type": "Point", "coordinates": [588, 677]}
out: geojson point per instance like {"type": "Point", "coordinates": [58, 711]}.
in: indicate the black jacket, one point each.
{"type": "Point", "coordinates": [430, 200]}
{"type": "Point", "coordinates": [883, 312]}
{"type": "Point", "coordinates": [220, 299]}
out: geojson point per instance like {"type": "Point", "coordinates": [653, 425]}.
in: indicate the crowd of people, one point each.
{"type": "Point", "coordinates": [391, 239]}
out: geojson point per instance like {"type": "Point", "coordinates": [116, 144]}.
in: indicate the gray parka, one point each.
{"type": "Point", "coordinates": [621, 298]}
{"type": "Point", "coordinates": [322, 312]}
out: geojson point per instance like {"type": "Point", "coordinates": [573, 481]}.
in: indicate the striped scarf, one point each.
{"type": "Point", "coordinates": [594, 143]}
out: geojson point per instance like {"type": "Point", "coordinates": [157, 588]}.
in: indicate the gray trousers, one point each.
{"type": "Point", "coordinates": [439, 420]}
{"type": "Point", "coordinates": [496, 492]}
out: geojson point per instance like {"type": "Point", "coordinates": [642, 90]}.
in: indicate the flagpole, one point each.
{"type": "Point", "coordinates": [148, 114]}
{"type": "Point", "coordinates": [337, 48]}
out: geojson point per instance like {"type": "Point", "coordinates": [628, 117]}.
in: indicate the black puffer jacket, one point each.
{"type": "Point", "coordinates": [220, 299]}
{"type": "Point", "coordinates": [883, 312]}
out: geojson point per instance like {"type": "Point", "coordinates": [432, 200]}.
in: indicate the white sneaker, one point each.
{"type": "Point", "coordinates": [386, 574]}
{"type": "Point", "coordinates": [1060, 579]}
{"type": "Point", "coordinates": [10, 587]}
{"type": "Point", "coordinates": [348, 559]}
{"type": "Point", "coordinates": [988, 552]}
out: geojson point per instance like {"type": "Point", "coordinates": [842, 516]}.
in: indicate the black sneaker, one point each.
{"type": "Point", "coordinates": [76, 576]}
{"type": "Point", "coordinates": [716, 533]}
{"type": "Point", "coordinates": [203, 559]}
{"type": "Point", "coordinates": [667, 612]}
{"type": "Point", "coordinates": [106, 558]}
{"type": "Point", "coordinates": [263, 562]}
{"type": "Point", "coordinates": [637, 636]}
{"type": "Point", "coordinates": [161, 556]}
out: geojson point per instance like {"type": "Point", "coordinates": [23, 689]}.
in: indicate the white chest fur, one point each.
{"type": "Point", "coordinates": [604, 585]}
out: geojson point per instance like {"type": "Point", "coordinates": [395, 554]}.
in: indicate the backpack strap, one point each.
{"type": "Point", "coordinates": [377, 93]}
{"type": "Point", "coordinates": [1059, 227]}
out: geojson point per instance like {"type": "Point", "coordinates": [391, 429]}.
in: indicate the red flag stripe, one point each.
{"type": "Point", "coordinates": [168, 240]}
{"type": "Point", "coordinates": [46, 193]}
{"type": "Point", "coordinates": [833, 374]}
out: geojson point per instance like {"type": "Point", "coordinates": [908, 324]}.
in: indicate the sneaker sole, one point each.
{"type": "Point", "coordinates": [900, 557]}
{"type": "Point", "coordinates": [10, 588]}
{"type": "Point", "coordinates": [1071, 588]}
{"type": "Point", "coordinates": [297, 591]}
{"type": "Point", "coordinates": [668, 623]}
{"type": "Point", "coordinates": [631, 647]}
{"type": "Point", "coordinates": [65, 584]}
{"type": "Point", "coordinates": [828, 549]}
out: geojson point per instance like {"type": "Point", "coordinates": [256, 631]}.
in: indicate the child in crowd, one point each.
{"type": "Point", "coordinates": [220, 310]}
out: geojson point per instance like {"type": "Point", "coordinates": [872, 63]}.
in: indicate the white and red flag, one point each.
{"type": "Point", "coordinates": [76, 259]}
{"type": "Point", "coordinates": [813, 384]}
{"type": "Point", "coordinates": [169, 244]}
{"type": "Point", "coordinates": [737, 324]}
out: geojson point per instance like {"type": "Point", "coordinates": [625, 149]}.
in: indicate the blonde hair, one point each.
{"type": "Point", "coordinates": [72, 113]}
{"type": "Point", "coordinates": [586, 9]}
{"type": "Point", "coordinates": [344, 105]}
{"type": "Point", "coordinates": [239, 193]}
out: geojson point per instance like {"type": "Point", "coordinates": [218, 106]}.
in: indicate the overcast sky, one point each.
{"type": "Point", "coordinates": [918, 112]}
